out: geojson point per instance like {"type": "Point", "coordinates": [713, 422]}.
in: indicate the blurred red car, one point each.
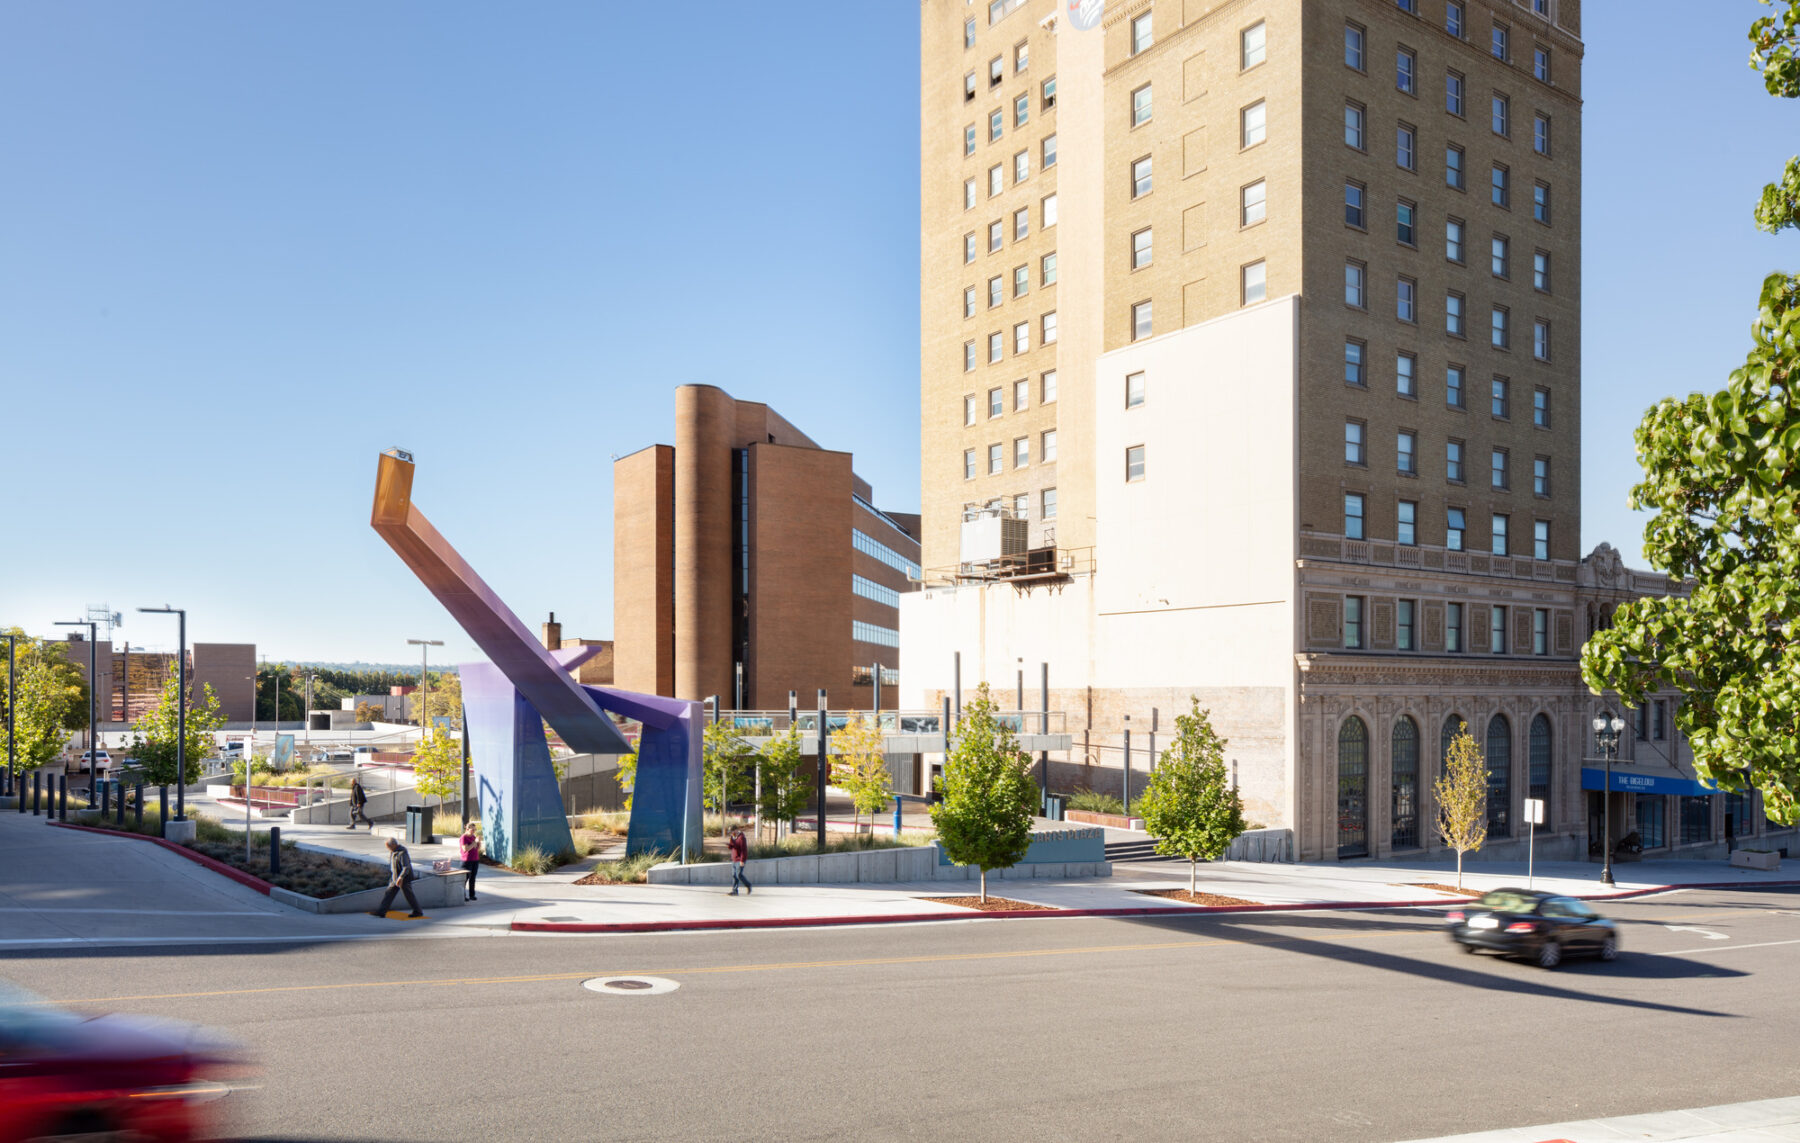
{"type": "Point", "coordinates": [109, 1076]}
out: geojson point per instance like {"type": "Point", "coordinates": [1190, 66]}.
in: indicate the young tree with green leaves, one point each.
{"type": "Point", "coordinates": [1462, 797]}
{"type": "Point", "coordinates": [787, 782]}
{"type": "Point", "coordinates": [1189, 805]}
{"type": "Point", "coordinates": [989, 796]}
{"type": "Point", "coordinates": [157, 743]}
{"type": "Point", "coordinates": [437, 765]}
{"type": "Point", "coordinates": [1722, 479]}
{"type": "Point", "coordinates": [52, 701]}
{"type": "Point", "coordinates": [860, 768]}
{"type": "Point", "coordinates": [725, 768]}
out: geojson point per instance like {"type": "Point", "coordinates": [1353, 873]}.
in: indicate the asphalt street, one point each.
{"type": "Point", "coordinates": [1314, 1026]}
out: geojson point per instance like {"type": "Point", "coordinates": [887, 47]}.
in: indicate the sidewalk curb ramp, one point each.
{"type": "Point", "coordinates": [238, 875]}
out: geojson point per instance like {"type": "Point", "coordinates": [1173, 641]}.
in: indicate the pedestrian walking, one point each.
{"type": "Point", "coordinates": [400, 866]}
{"type": "Point", "coordinates": [740, 853]}
{"type": "Point", "coordinates": [471, 856]}
{"type": "Point", "coordinates": [359, 798]}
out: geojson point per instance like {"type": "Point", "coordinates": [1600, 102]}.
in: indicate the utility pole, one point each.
{"type": "Point", "coordinates": [93, 685]}
{"type": "Point", "coordinates": [424, 646]}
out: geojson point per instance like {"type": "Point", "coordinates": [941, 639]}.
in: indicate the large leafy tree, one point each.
{"type": "Point", "coordinates": [1722, 481]}
{"type": "Point", "coordinates": [51, 701]}
{"type": "Point", "coordinates": [437, 765]}
{"type": "Point", "coordinates": [989, 797]}
{"type": "Point", "coordinates": [158, 734]}
{"type": "Point", "coordinates": [1189, 805]}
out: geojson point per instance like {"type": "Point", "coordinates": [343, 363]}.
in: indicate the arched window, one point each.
{"type": "Point", "coordinates": [1499, 764]}
{"type": "Point", "coordinates": [1452, 726]}
{"type": "Point", "coordinates": [1540, 763]}
{"type": "Point", "coordinates": [1353, 788]}
{"type": "Point", "coordinates": [1404, 759]}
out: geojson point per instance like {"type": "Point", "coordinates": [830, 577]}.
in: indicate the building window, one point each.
{"type": "Point", "coordinates": [1140, 321]}
{"type": "Point", "coordinates": [1405, 64]}
{"type": "Point", "coordinates": [1407, 6]}
{"type": "Point", "coordinates": [1353, 46]}
{"type": "Point", "coordinates": [1404, 140]}
{"type": "Point", "coordinates": [1353, 204]}
{"type": "Point", "coordinates": [1453, 641]}
{"type": "Point", "coordinates": [968, 464]}
{"type": "Point", "coordinates": [1354, 432]}
{"type": "Point", "coordinates": [1253, 203]}
{"type": "Point", "coordinates": [1021, 452]}
{"type": "Point", "coordinates": [1252, 45]}
{"type": "Point", "coordinates": [1540, 477]}
{"type": "Point", "coordinates": [996, 126]}
{"type": "Point", "coordinates": [969, 302]}
{"type": "Point", "coordinates": [1540, 339]}
{"type": "Point", "coordinates": [1453, 387]}
{"type": "Point", "coordinates": [1658, 729]}
{"type": "Point", "coordinates": [1499, 391]}
{"type": "Point", "coordinates": [1134, 463]}
{"type": "Point", "coordinates": [1403, 223]}
{"type": "Point", "coordinates": [1022, 506]}
{"type": "Point", "coordinates": [1540, 133]}
{"type": "Point", "coordinates": [1021, 281]}
{"type": "Point", "coordinates": [1353, 362]}
{"type": "Point", "coordinates": [1498, 329]}
{"type": "Point", "coordinates": [1453, 461]}
{"type": "Point", "coordinates": [1021, 395]}
{"type": "Point", "coordinates": [971, 409]}
{"type": "Point", "coordinates": [1539, 771]}
{"type": "Point", "coordinates": [1497, 474]}
{"type": "Point", "coordinates": [1353, 126]}
{"type": "Point", "coordinates": [1047, 388]}
{"type": "Point", "coordinates": [1406, 368]}
{"type": "Point", "coordinates": [1253, 124]}
{"type": "Point", "coordinates": [1453, 240]}
{"type": "Point", "coordinates": [996, 346]}
{"type": "Point", "coordinates": [1021, 56]}
{"type": "Point", "coordinates": [1406, 444]}
{"type": "Point", "coordinates": [995, 292]}
{"type": "Point", "coordinates": [1540, 408]}
{"type": "Point", "coordinates": [1404, 307]}
{"type": "Point", "coordinates": [1049, 159]}
{"type": "Point", "coordinates": [1047, 446]}
{"type": "Point", "coordinates": [1406, 519]}
{"type": "Point", "coordinates": [1134, 390]}
{"type": "Point", "coordinates": [1540, 270]}
{"type": "Point", "coordinates": [1499, 257]}
{"type": "Point", "coordinates": [1353, 284]}
{"type": "Point", "coordinates": [870, 633]}
{"type": "Point", "coordinates": [1640, 721]}
{"type": "Point", "coordinates": [1497, 629]}
{"type": "Point", "coordinates": [869, 589]}
{"type": "Point", "coordinates": [1353, 609]}
{"type": "Point", "coordinates": [1453, 93]}
{"type": "Point", "coordinates": [1540, 539]}
{"type": "Point", "coordinates": [1403, 625]}
{"type": "Point", "coordinates": [1047, 269]}
{"type": "Point", "coordinates": [1651, 827]}
{"type": "Point", "coordinates": [1500, 187]}
{"type": "Point", "coordinates": [1022, 110]}
{"type": "Point", "coordinates": [968, 248]}
{"type": "Point", "coordinates": [1049, 332]}
{"type": "Point", "coordinates": [1048, 498]}
{"type": "Point", "coordinates": [969, 140]}
{"type": "Point", "coordinates": [968, 356]}
{"type": "Point", "coordinates": [1498, 43]}
{"type": "Point", "coordinates": [1453, 167]}
{"type": "Point", "coordinates": [1049, 212]}
{"type": "Point", "coordinates": [1696, 819]}
{"type": "Point", "coordinates": [1021, 223]}
{"type": "Point", "coordinates": [1140, 177]}
{"type": "Point", "coordinates": [1453, 315]}
{"type": "Point", "coordinates": [1021, 337]}
{"type": "Point", "coordinates": [1255, 282]}
{"type": "Point", "coordinates": [1021, 167]}
{"type": "Point", "coordinates": [1453, 18]}
{"type": "Point", "coordinates": [997, 65]}
{"type": "Point", "coordinates": [1140, 249]}
{"type": "Point", "coordinates": [996, 403]}
{"type": "Point", "coordinates": [1142, 35]}
{"type": "Point", "coordinates": [969, 32]}
{"type": "Point", "coordinates": [1737, 815]}
{"type": "Point", "coordinates": [1540, 202]}
{"type": "Point", "coordinates": [1501, 120]}
{"type": "Point", "coordinates": [996, 459]}
{"type": "Point", "coordinates": [968, 194]}
{"type": "Point", "coordinates": [1353, 516]}
{"type": "Point", "coordinates": [1140, 106]}
{"type": "Point", "coordinates": [996, 235]}
{"type": "Point", "coordinates": [1500, 522]}
{"type": "Point", "coordinates": [1540, 63]}
{"type": "Point", "coordinates": [1499, 761]}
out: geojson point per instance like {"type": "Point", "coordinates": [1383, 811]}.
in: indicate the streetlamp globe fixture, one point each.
{"type": "Point", "coordinates": [1607, 728]}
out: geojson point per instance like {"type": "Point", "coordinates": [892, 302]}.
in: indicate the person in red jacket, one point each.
{"type": "Point", "coordinates": [740, 853]}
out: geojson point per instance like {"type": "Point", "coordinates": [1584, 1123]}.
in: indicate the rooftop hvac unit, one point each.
{"type": "Point", "coordinates": [992, 536]}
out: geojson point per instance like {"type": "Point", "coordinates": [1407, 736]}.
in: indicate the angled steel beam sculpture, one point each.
{"type": "Point", "coordinates": [509, 698]}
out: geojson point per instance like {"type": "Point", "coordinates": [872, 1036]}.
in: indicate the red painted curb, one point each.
{"type": "Point", "coordinates": [219, 867]}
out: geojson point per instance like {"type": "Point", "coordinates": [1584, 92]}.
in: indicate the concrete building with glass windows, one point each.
{"type": "Point", "coordinates": [1256, 324]}
{"type": "Point", "coordinates": [749, 561]}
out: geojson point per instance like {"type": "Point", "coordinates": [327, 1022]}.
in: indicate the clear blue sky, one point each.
{"type": "Point", "coordinates": [247, 246]}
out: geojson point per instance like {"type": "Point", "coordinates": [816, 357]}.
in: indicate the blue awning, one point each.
{"type": "Point", "coordinates": [1633, 782]}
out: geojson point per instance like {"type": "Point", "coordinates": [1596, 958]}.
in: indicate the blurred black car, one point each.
{"type": "Point", "coordinates": [1541, 926]}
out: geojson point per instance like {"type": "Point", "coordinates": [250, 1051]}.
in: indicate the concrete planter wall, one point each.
{"type": "Point", "coordinates": [875, 866]}
{"type": "Point", "coordinates": [1756, 859]}
{"type": "Point", "coordinates": [434, 891]}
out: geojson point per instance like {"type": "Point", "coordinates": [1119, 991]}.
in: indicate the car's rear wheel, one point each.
{"type": "Point", "coordinates": [1609, 948]}
{"type": "Point", "coordinates": [1549, 954]}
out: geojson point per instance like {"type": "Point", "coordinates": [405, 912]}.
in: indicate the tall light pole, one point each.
{"type": "Point", "coordinates": [424, 646]}
{"type": "Point", "coordinates": [93, 684]}
{"type": "Point", "coordinates": [180, 706]}
{"type": "Point", "coordinates": [12, 701]}
{"type": "Point", "coordinates": [1606, 733]}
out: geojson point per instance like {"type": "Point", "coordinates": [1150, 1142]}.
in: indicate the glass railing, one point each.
{"type": "Point", "coordinates": [765, 723]}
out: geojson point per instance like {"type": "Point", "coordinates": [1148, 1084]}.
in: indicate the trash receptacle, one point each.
{"type": "Point", "coordinates": [1055, 805]}
{"type": "Point", "coordinates": [418, 825]}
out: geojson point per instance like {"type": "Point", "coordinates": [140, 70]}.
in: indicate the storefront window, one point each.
{"type": "Point", "coordinates": [1651, 810]}
{"type": "Point", "coordinates": [1696, 820]}
{"type": "Point", "coordinates": [1737, 815]}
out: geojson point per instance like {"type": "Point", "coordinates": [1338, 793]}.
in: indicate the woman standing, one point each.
{"type": "Point", "coordinates": [471, 855]}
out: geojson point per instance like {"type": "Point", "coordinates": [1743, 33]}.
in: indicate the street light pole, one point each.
{"type": "Point", "coordinates": [180, 706]}
{"type": "Point", "coordinates": [93, 683]}
{"type": "Point", "coordinates": [12, 701]}
{"type": "Point", "coordinates": [424, 646]}
{"type": "Point", "coordinates": [1606, 734]}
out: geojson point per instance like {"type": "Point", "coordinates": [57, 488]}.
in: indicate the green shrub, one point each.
{"type": "Point", "coordinates": [606, 821]}
{"type": "Point", "coordinates": [532, 861]}
{"type": "Point", "coordinates": [629, 870]}
{"type": "Point", "coordinates": [1087, 801]}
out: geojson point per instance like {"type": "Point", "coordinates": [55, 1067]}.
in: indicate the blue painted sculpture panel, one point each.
{"type": "Point", "coordinates": [521, 802]}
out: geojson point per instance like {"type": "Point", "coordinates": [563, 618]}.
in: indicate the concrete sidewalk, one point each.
{"type": "Point", "coordinates": [1763, 1119]}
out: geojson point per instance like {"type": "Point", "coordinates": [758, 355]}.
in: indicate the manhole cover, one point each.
{"type": "Point", "coordinates": [631, 985]}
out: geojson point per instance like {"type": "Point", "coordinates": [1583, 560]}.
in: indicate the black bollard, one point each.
{"type": "Point", "coordinates": [37, 789]}
{"type": "Point", "coordinates": [62, 799]}
{"type": "Point", "coordinates": [137, 808]}
{"type": "Point", "coordinates": [105, 799]}
{"type": "Point", "coordinates": [162, 806]}
{"type": "Point", "coordinates": [274, 850]}
{"type": "Point", "coordinates": [119, 811]}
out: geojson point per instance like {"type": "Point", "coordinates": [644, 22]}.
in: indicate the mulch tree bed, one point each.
{"type": "Point", "coordinates": [1195, 898]}
{"type": "Point", "coordinates": [991, 905]}
{"type": "Point", "coordinates": [1450, 889]}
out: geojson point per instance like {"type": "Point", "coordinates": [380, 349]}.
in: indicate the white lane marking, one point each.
{"type": "Point", "coordinates": [1707, 933]}
{"type": "Point", "coordinates": [1733, 948]}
